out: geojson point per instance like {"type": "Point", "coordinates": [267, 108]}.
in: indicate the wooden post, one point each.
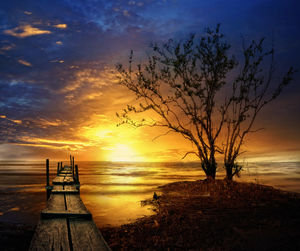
{"type": "Point", "coordinates": [77, 179]}
{"type": "Point", "coordinates": [47, 172]}
{"type": "Point", "coordinates": [57, 168]}
{"type": "Point", "coordinates": [48, 188]}
{"type": "Point", "coordinates": [73, 167]}
{"type": "Point", "coordinates": [77, 175]}
{"type": "Point", "coordinates": [70, 160]}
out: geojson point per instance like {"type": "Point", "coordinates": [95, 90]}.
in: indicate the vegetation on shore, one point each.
{"type": "Point", "coordinates": [213, 215]}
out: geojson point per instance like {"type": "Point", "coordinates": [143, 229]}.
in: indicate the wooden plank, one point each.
{"type": "Point", "coordinates": [65, 205]}
{"type": "Point", "coordinates": [51, 235]}
{"type": "Point", "coordinates": [66, 172]}
{"type": "Point", "coordinates": [65, 191]}
{"type": "Point", "coordinates": [65, 175]}
{"type": "Point", "coordinates": [62, 180]}
{"type": "Point", "coordinates": [68, 180]}
{"type": "Point", "coordinates": [66, 224]}
{"type": "Point", "coordinates": [74, 203]}
{"type": "Point", "coordinates": [56, 202]}
{"type": "Point", "coordinates": [57, 187]}
{"type": "Point", "coordinates": [54, 214]}
{"type": "Point", "coordinates": [58, 180]}
{"type": "Point", "coordinates": [86, 236]}
{"type": "Point", "coordinates": [70, 187]}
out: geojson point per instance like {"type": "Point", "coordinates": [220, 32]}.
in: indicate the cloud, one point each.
{"type": "Point", "coordinates": [26, 31]}
{"type": "Point", "coordinates": [50, 143]}
{"type": "Point", "coordinates": [60, 26]}
{"type": "Point", "coordinates": [7, 47]}
{"type": "Point", "coordinates": [73, 46]}
{"type": "Point", "coordinates": [16, 121]}
{"type": "Point", "coordinates": [23, 62]}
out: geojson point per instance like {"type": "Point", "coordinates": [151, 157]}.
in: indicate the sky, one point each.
{"type": "Point", "coordinates": [58, 88]}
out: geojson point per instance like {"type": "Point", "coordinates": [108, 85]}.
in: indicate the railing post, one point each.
{"type": "Point", "coordinates": [47, 172]}
{"type": "Point", "coordinates": [73, 167]}
{"type": "Point", "coordinates": [48, 188]}
{"type": "Point", "coordinates": [77, 175]}
{"type": "Point", "coordinates": [57, 168]}
{"type": "Point", "coordinates": [77, 178]}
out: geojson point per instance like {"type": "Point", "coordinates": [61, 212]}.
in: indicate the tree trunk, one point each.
{"type": "Point", "coordinates": [210, 168]}
{"type": "Point", "coordinates": [232, 169]}
{"type": "Point", "coordinates": [229, 174]}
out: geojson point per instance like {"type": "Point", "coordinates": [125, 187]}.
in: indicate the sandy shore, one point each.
{"type": "Point", "coordinates": [214, 216]}
{"type": "Point", "coordinates": [200, 215]}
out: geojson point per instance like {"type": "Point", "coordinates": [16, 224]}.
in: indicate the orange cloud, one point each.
{"type": "Point", "coordinates": [60, 26]}
{"type": "Point", "coordinates": [23, 62]}
{"type": "Point", "coordinates": [25, 31]}
{"type": "Point", "coordinates": [8, 47]}
{"type": "Point", "coordinates": [16, 121]}
{"type": "Point", "coordinates": [53, 144]}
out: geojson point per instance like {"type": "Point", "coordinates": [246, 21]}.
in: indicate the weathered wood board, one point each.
{"type": "Point", "coordinates": [86, 236]}
{"type": "Point", "coordinates": [74, 203]}
{"type": "Point", "coordinates": [56, 202]}
{"type": "Point", "coordinates": [63, 180]}
{"type": "Point", "coordinates": [65, 205]}
{"type": "Point", "coordinates": [65, 223]}
{"type": "Point", "coordinates": [52, 234]}
{"type": "Point", "coordinates": [65, 189]}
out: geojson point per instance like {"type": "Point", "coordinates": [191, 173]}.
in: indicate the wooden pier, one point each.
{"type": "Point", "coordinates": [65, 223]}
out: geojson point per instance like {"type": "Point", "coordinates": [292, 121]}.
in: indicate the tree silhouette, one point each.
{"type": "Point", "coordinates": [185, 84]}
{"type": "Point", "coordinates": [251, 91]}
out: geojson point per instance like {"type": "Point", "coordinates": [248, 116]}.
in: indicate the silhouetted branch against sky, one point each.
{"type": "Point", "coordinates": [58, 87]}
{"type": "Point", "coordinates": [180, 83]}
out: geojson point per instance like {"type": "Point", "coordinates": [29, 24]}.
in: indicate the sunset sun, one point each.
{"type": "Point", "coordinates": [122, 152]}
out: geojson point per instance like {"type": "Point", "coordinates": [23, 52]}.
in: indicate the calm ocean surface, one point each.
{"type": "Point", "coordinates": [112, 191]}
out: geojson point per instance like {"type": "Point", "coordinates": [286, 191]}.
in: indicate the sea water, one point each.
{"type": "Point", "coordinates": [112, 191]}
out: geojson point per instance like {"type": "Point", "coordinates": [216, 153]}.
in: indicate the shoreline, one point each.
{"type": "Point", "coordinates": [217, 215]}
{"type": "Point", "coordinates": [199, 215]}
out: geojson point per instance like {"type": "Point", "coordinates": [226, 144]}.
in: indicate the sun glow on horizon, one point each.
{"type": "Point", "coordinates": [122, 152]}
{"type": "Point", "coordinates": [115, 143]}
